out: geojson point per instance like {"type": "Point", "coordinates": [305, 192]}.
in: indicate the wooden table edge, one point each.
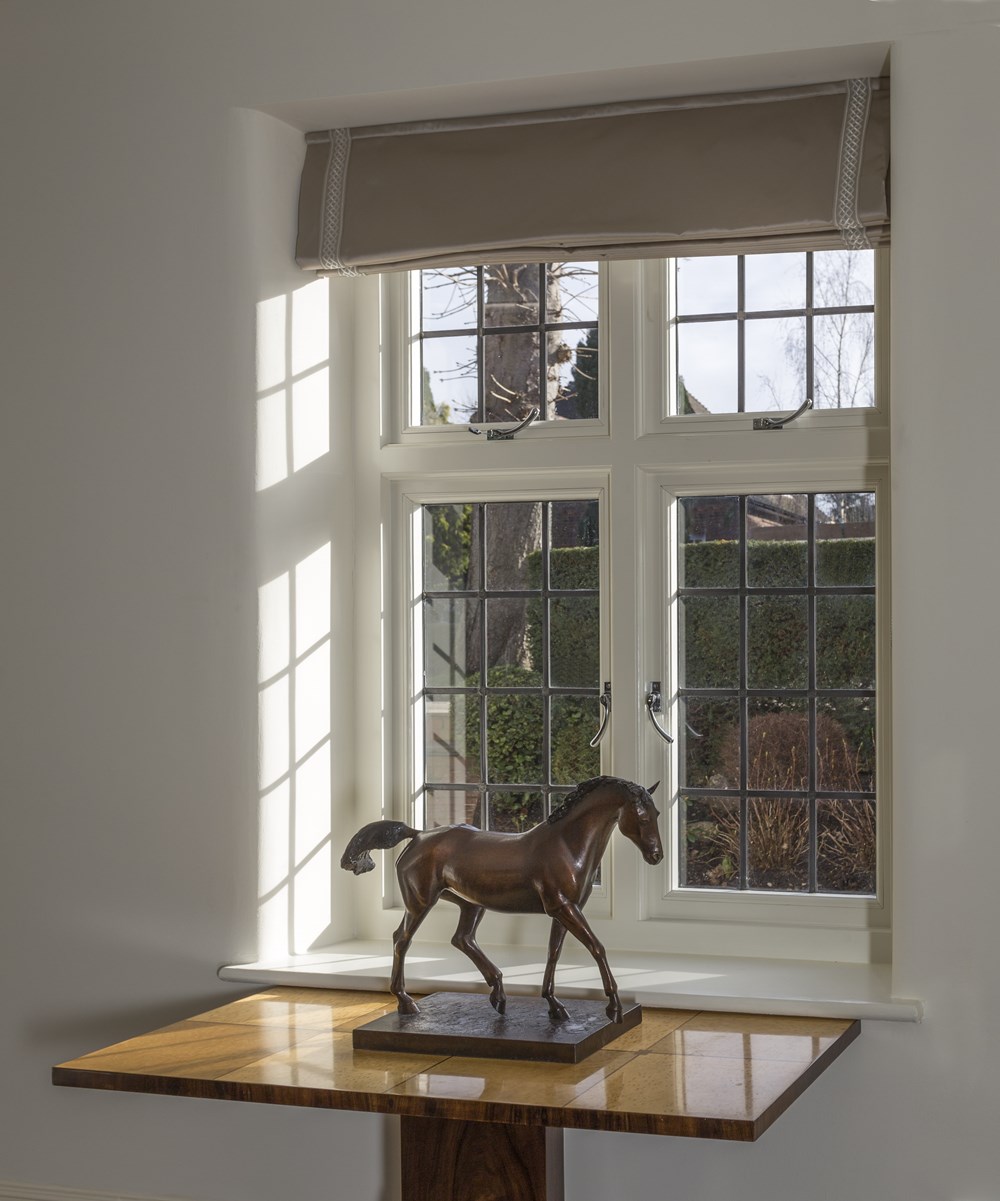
{"type": "Point", "coordinates": [402, 1105]}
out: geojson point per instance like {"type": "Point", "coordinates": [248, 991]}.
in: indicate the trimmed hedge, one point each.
{"type": "Point", "coordinates": [575, 623]}
{"type": "Point", "coordinates": [777, 652]}
{"type": "Point", "coordinates": [840, 562]}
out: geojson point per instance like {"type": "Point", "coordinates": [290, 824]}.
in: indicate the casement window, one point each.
{"type": "Point", "coordinates": [540, 585]}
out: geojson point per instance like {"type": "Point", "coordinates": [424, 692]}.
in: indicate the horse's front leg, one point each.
{"type": "Point", "coordinates": [571, 916]}
{"type": "Point", "coordinates": [556, 936]}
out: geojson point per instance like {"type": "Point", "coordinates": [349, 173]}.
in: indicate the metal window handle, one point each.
{"type": "Point", "coordinates": [779, 423]}
{"type": "Point", "coordinates": [654, 704]}
{"type": "Point", "coordinates": [506, 435]}
{"type": "Point", "coordinates": [605, 699]}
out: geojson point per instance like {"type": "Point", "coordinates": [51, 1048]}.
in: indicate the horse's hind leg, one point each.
{"type": "Point", "coordinates": [400, 944]}
{"type": "Point", "coordinates": [556, 936]}
{"type": "Point", "coordinates": [465, 939]}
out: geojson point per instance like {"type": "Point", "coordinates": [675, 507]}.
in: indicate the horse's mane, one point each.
{"type": "Point", "coordinates": [572, 799]}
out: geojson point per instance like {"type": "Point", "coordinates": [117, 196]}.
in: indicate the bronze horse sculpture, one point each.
{"type": "Point", "coordinates": [549, 869]}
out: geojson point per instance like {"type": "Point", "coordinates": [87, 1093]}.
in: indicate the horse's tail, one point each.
{"type": "Point", "coordinates": [376, 836]}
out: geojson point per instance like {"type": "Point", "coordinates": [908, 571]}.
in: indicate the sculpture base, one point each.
{"type": "Point", "coordinates": [452, 1023]}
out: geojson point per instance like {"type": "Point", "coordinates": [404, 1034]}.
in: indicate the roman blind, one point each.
{"type": "Point", "coordinates": [785, 169]}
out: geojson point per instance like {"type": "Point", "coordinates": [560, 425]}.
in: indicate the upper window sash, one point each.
{"type": "Point", "coordinates": [481, 347]}
{"type": "Point", "coordinates": [760, 333]}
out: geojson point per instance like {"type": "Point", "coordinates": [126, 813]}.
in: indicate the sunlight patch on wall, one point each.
{"type": "Point", "coordinates": [273, 714]}
{"type": "Point", "coordinates": [313, 908]}
{"type": "Point", "coordinates": [294, 703]}
{"type": "Point", "coordinates": [271, 354]}
{"type": "Point", "coordinates": [312, 700]}
{"type": "Point", "coordinates": [274, 636]}
{"type": "Point", "coordinates": [275, 824]}
{"type": "Point", "coordinates": [272, 440]}
{"type": "Point", "coordinates": [310, 326]}
{"type": "Point", "coordinates": [310, 418]}
{"type": "Point", "coordinates": [293, 382]}
{"type": "Point", "coordinates": [312, 599]}
{"type": "Point", "coordinates": [312, 803]}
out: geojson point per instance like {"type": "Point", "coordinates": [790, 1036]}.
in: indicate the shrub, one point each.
{"type": "Point", "coordinates": [777, 827]}
{"type": "Point", "coordinates": [515, 726]}
{"type": "Point", "coordinates": [845, 640]}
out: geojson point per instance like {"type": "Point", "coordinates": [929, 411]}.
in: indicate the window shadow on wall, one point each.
{"type": "Point", "coordinates": [294, 681]}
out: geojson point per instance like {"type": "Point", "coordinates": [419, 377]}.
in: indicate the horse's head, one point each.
{"type": "Point", "coordinates": [637, 822]}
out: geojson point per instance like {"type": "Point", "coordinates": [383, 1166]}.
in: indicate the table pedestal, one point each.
{"type": "Point", "coordinates": [447, 1160]}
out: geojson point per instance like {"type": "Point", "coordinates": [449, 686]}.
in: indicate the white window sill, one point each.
{"type": "Point", "coordinates": [776, 986]}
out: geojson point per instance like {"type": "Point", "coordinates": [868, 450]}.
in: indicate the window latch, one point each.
{"type": "Point", "coordinates": [605, 699]}
{"type": "Point", "coordinates": [779, 423]}
{"type": "Point", "coordinates": [506, 435]}
{"type": "Point", "coordinates": [654, 705]}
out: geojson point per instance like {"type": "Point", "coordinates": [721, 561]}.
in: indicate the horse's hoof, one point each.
{"type": "Point", "coordinates": [407, 1005]}
{"type": "Point", "coordinates": [499, 1004]}
{"type": "Point", "coordinates": [557, 1012]}
{"type": "Point", "coordinates": [614, 1011]}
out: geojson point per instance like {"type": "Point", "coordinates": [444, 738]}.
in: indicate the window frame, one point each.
{"type": "Point", "coordinates": [627, 455]}
{"type": "Point", "coordinates": [864, 915]}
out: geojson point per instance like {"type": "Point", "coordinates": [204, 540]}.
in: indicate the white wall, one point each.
{"type": "Point", "coordinates": [134, 543]}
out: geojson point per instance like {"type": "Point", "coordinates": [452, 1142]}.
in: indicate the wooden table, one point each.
{"type": "Point", "coordinates": [479, 1129]}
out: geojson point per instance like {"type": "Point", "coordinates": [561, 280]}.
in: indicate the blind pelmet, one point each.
{"type": "Point", "coordinates": [790, 169]}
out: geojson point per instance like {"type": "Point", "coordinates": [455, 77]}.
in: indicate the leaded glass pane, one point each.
{"type": "Point", "coordinates": [778, 844]}
{"type": "Point", "coordinates": [448, 757]}
{"type": "Point", "coordinates": [451, 642]}
{"type": "Point", "coordinates": [710, 646]}
{"type": "Point", "coordinates": [707, 367]}
{"type": "Point", "coordinates": [710, 742]}
{"type": "Point", "coordinates": [847, 852]}
{"type": "Point", "coordinates": [448, 807]}
{"type": "Point", "coordinates": [514, 812]}
{"type": "Point", "coordinates": [710, 542]}
{"type": "Point", "coordinates": [777, 642]}
{"type": "Point", "coordinates": [709, 842]}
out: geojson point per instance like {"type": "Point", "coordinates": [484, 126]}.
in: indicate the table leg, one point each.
{"type": "Point", "coordinates": [448, 1160]}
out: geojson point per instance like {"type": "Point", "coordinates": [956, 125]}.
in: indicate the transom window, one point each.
{"type": "Point", "coordinates": [493, 343]}
{"type": "Point", "coordinates": [759, 332]}
{"type": "Point", "coordinates": [776, 634]}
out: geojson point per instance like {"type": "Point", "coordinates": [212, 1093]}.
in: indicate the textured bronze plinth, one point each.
{"type": "Point", "coordinates": [452, 1023]}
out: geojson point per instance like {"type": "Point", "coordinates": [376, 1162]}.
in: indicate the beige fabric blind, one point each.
{"type": "Point", "coordinates": [789, 169]}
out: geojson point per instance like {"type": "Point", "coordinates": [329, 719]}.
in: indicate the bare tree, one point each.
{"type": "Point", "coordinates": [516, 378]}
{"type": "Point", "coordinates": [843, 342]}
